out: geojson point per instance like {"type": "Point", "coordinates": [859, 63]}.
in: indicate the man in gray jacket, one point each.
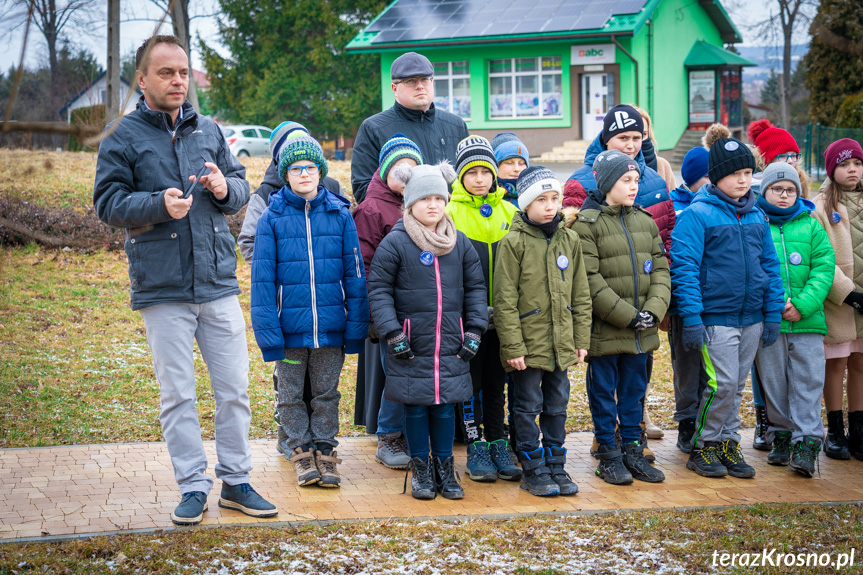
{"type": "Point", "coordinates": [182, 263]}
{"type": "Point", "coordinates": [436, 132]}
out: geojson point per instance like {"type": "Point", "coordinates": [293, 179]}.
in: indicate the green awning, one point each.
{"type": "Point", "coordinates": [706, 55]}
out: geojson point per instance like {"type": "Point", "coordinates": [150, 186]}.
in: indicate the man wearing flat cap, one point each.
{"type": "Point", "coordinates": [436, 132]}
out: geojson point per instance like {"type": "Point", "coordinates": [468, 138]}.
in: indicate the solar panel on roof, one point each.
{"type": "Point", "coordinates": [410, 20]}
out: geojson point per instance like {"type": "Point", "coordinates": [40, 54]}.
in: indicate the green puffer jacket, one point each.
{"type": "Point", "coordinates": [628, 272]}
{"type": "Point", "coordinates": [541, 298]}
{"type": "Point", "coordinates": [483, 232]}
{"type": "Point", "coordinates": [807, 264]}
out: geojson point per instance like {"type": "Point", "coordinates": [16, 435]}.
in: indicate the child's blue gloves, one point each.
{"type": "Point", "coordinates": [694, 337]}
{"type": "Point", "coordinates": [399, 346]}
{"type": "Point", "coordinates": [770, 333]}
{"type": "Point", "coordinates": [469, 346]}
{"type": "Point", "coordinates": [643, 320]}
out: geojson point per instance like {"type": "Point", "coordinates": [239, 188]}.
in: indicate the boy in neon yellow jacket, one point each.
{"type": "Point", "coordinates": [480, 212]}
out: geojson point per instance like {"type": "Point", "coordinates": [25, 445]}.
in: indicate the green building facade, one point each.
{"type": "Point", "coordinates": [519, 66]}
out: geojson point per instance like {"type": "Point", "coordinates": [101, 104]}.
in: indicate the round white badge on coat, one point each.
{"type": "Point", "coordinates": [795, 259]}
{"type": "Point", "coordinates": [562, 262]}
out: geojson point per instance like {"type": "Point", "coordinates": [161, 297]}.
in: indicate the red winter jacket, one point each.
{"type": "Point", "coordinates": [375, 216]}
{"type": "Point", "coordinates": [663, 215]}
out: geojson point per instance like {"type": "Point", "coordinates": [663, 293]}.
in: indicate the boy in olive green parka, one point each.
{"type": "Point", "coordinates": [631, 288]}
{"type": "Point", "coordinates": [542, 314]}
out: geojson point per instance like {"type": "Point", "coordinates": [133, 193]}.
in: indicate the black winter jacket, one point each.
{"type": "Point", "coordinates": [190, 260]}
{"type": "Point", "coordinates": [436, 132]}
{"type": "Point", "coordinates": [434, 305]}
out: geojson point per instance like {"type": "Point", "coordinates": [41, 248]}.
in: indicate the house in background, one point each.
{"type": "Point", "coordinates": [550, 70]}
{"type": "Point", "coordinates": [96, 92]}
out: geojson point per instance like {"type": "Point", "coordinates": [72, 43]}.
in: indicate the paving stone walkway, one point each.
{"type": "Point", "coordinates": [91, 489]}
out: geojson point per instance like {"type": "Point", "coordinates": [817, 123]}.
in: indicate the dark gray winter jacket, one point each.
{"type": "Point", "coordinates": [190, 260]}
{"type": "Point", "coordinates": [434, 304]}
{"type": "Point", "coordinates": [436, 132]}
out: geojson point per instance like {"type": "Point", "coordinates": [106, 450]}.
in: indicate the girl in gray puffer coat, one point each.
{"type": "Point", "coordinates": [428, 300]}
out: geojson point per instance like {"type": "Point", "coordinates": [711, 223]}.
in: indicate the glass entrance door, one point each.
{"type": "Point", "coordinates": [597, 95]}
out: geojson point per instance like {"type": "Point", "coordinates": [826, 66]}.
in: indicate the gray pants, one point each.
{"type": "Point", "coordinates": [324, 366]}
{"type": "Point", "coordinates": [727, 359]}
{"type": "Point", "coordinates": [220, 330]}
{"type": "Point", "coordinates": [690, 378]}
{"type": "Point", "coordinates": [792, 379]}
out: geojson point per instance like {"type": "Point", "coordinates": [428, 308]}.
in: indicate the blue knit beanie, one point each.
{"type": "Point", "coordinates": [300, 148]}
{"type": "Point", "coordinates": [511, 149]}
{"type": "Point", "coordinates": [503, 137]}
{"type": "Point", "coordinates": [695, 166]}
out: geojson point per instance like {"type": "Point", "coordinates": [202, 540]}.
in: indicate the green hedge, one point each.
{"type": "Point", "coordinates": [850, 114]}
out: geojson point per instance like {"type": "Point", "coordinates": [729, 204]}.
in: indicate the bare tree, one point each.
{"type": "Point", "coordinates": [790, 18]}
{"type": "Point", "coordinates": [54, 18]}
{"type": "Point", "coordinates": [179, 11]}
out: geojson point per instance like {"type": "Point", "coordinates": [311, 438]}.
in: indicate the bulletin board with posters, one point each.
{"type": "Point", "coordinates": [702, 96]}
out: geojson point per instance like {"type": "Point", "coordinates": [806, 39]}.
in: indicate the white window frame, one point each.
{"type": "Point", "coordinates": [512, 75]}
{"type": "Point", "coordinates": [449, 77]}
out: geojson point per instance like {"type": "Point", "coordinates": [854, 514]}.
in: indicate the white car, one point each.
{"type": "Point", "coordinates": [245, 141]}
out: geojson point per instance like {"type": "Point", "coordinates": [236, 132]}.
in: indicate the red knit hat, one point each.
{"type": "Point", "coordinates": [770, 140]}
{"type": "Point", "coordinates": [839, 151]}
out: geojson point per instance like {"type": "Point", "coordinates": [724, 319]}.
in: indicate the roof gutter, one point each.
{"type": "Point", "coordinates": [498, 40]}
{"type": "Point", "coordinates": [634, 62]}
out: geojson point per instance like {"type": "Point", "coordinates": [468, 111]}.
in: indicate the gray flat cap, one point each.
{"type": "Point", "coordinates": [411, 64]}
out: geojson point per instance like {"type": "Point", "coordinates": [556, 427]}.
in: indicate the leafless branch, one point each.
{"type": "Point", "coordinates": [20, 67]}
{"type": "Point", "coordinates": [836, 41]}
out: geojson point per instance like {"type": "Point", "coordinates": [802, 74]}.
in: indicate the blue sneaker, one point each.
{"type": "Point", "coordinates": [191, 509]}
{"type": "Point", "coordinates": [506, 469]}
{"type": "Point", "coordinates": [480, 467]}
{"type": "Point", "coordinates": [246, 500]}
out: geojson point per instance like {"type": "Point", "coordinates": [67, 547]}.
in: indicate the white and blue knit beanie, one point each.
{"type": "Point", "coordinates": [533, 182]}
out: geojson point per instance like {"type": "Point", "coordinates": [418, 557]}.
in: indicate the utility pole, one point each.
{"type": "Point", "coordinates": [180, 19]}
{"type": "Point", "coordinates": [112, 94]}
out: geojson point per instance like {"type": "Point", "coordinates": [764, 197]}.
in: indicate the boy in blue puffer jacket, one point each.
{"type": "Point", "coordinates": [725, 276]}
{"type": "Point", "coordinates": [309, 304]}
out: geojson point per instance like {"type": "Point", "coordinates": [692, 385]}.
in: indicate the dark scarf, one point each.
{"type": "Point", "coordinates": [776, 214]}
{"type": "Point", "coordinates": [548, 228]}
{"type": "Point", "coordinates": [742, 206]}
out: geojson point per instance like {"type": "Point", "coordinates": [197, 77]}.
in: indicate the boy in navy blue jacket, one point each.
{"type": "Point", "coordinates": [309, 304]}
{"type": "Point", "coordinates": [725, 276]}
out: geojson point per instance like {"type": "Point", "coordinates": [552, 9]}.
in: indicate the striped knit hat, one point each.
{"type": "Point", "coordinates": [533, 182]}
{"type": "Point", "coordinates": [281, 133]}
{"type": "Point", "coordinates": [297, 148]}
{"type": "Point", "coordinates": [474, 151]}
{"type": "Point", "coordinates": [502, 138]}
{"type": "Point", "coordinates": [397, 147]}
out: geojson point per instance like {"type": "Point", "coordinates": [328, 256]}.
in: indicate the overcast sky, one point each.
{"type": "Point", "coordinates": [135, 28]}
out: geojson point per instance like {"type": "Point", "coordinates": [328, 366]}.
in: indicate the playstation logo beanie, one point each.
{"type": "Point", "coordinates": [619, 119]}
